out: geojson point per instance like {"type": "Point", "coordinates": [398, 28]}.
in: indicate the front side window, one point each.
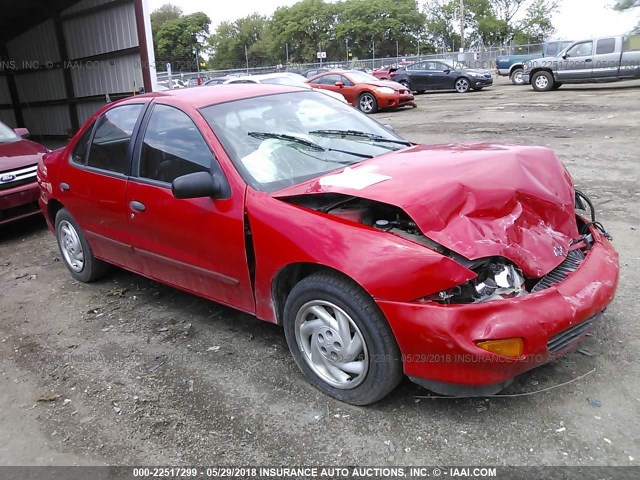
{"type": "Point", "coordinates": [584, 49]}
{"type": "Point", "coordinates": [172, 146]}
{"type": "Point", "coordinates": [110, 146]}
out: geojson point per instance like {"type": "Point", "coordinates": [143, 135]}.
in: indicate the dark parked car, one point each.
{"type": "Point", "coordinates": [442, 75]}
{"type": "Point", "coordinates": [459, 266]}
{"type": "Point", "coordinates": [18, 162]}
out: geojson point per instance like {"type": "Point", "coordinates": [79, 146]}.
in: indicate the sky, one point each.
{"type": "Point", "coordinates": [576, 19]}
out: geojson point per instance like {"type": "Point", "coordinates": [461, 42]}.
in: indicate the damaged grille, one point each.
{"type": "Point", "coordinates": [562, 271]}
{"type": "Point", "coordinates": [562, 340]}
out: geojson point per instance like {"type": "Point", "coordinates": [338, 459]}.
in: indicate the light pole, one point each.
{"type": "Point", "coordinates": [246, 58]}
{"type": "Point", "coordinates": [346, 43]}
{"type": "Point", "coordinates": [397, 52]}
{"type": "Point", "coordinates": [462, 25]}
{"type": "Point", "coordinates": [373, 49]}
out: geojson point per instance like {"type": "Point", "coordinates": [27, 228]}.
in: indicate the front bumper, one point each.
{"type": "Point", "coordinates": [479, 82]}
{"type": "Point", "coordinates": [395, 100]}
{"type": "Point", "coordinates": [438, 341]}
{"type": "Point", "coordinates": [19, 202]}
{"type": "Point", "coordinates": [503, 72]}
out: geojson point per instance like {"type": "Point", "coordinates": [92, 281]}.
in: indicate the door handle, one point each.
{"type": "Point", "coordinates": [589, 60]}
{"type": "Point", "coordinates": [64, 187]}
{"type": "Point", "coordinates": [137, 206]}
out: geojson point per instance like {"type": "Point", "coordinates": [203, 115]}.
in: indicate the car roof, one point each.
{"type": "Point", "coordinates": [202, 96]}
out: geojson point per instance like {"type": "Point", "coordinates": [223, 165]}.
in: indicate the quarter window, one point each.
{"type": "Point", "coordinates": [79, 154]}
{"type": "Point", "coordinates": [606, 45]}
{"type": "Point", "coordinates": [110, 146]}
{"type": "Point", "coordinates": [173, 146]}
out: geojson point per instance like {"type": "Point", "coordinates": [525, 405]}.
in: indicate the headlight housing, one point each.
{"type": "Point", "coordinates": [386, 90]}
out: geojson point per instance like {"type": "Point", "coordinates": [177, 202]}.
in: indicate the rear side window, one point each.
{"type": "Point", "coordinates": [173, 146]}
{"type": "Point", "coordinates": [110, 146]}
{"type": "Point", "coordinates": [606, 45]}
{"type": "Point", "coordinates": [79, 154]}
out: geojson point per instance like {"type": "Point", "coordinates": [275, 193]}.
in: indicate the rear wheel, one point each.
{"type": "Point", "coordinates": [542, 81]}
{"type": "Point", "coordinates": [462, 85]}
{"type": "Point", "coordinates": [516, 77]}
{"type": "Point", "coordinates": [75, 250]}
{"type": "Point", "coordinates": [340, 339]}
{"type": "Point", "coordinates": [367, 103]}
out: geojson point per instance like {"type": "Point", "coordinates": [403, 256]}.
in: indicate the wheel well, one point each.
{"type": "Point", "coordinates": [514, 67]}
{"type": "Point", "coordinates": [288, 277]}
{"type": "Point", "coordinates": [537, 70]}
{"type": "Point", "coordinates": [53, 207]}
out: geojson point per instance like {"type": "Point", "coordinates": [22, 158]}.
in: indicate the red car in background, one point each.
{"type": "Point", "coordinates": [364, 91]}
{"type": "Point", "coordinates": [459, 266]}
{"type": "Point", "coordinates": [19, 190]}
{"type": "Point", "coordinates": [386, 72]}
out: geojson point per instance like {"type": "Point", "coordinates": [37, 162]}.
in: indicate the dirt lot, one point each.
{"type": "Point", "coordinates": [146, 374]}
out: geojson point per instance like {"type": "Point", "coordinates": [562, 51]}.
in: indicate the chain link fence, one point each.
{"type": "Point", "coordinates": [479, 58]}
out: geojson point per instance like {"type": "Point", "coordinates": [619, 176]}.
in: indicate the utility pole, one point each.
{"type": "Point", "coordinates": [246, 57]}
{"type": "Point", "coordinates": [286, 46]}
{"type": "Point", "coordinates": [397, 52]}
{"type": "Point", "coordinates": [462, 25]}
{"type": "Point", "coordinates": [346, 43]}
{"type": "Point", "coordinates": [373, 47]}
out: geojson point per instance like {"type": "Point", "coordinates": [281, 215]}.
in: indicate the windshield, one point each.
{"type": "Point", "coordinates": [361, 77]}
{"type": "Point", "coordinates": [7, 134]}
{"type": "Point", "coordinates": [276, 141]}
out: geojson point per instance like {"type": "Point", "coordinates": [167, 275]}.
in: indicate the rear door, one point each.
{"type": "Point", "coordinates": [94, 182]}
{"type": "Point", "coordinates": [418, 76]}
{"type": "Point", "coordinates": [606, 61]}
{"type": "Point", "coordinates": [578, 63]}
{"type": "Point", "coordinates": [196, 244]}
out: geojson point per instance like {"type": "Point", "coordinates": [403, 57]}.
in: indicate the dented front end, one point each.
{"type": "Point", "coordinates": [524, 277]}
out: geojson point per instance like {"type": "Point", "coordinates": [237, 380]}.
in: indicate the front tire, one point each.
{"type": "Point", "coordinates": [542, 81]}
{"type": "Point", "coordinates": [367, 103]}
{"type": "Point", "coordinates": [462, 85]}
{"type": "Point", "coordinates": [340, 339]}
{"type": "Point", "coordinates": [76, 252]}
{"type": "Point", "coordinates": [516, 76]}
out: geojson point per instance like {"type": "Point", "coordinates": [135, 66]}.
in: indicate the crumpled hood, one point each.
{"type": "Point", "coordinates": [18, 154]}
{"type": "Point", "coordinates": [478, 200]}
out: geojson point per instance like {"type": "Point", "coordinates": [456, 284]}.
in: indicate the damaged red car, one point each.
{"type": "Point", "coordinates": [379, 257]}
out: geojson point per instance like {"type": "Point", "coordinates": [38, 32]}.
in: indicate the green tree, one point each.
{"type": "Point", "coordinates": [180, 41]}
{"type": "Point", "coordinates": [230, 38]}
{"type": "Point", "coordinates": [443, 24]}
{"type": "Point", "coordinates": [304, 27]}
{"type": "Point", "coordinates": [165, 13]}
{"type": "Point", "coordinates": [623, 5]}
{"type": "Point", "coordinates": [394, 27]}
{"type": "Point", "coordinates": [537, 26]}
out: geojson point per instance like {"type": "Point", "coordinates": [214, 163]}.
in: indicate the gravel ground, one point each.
{"type": "Point", "coordinates": [126, 371]}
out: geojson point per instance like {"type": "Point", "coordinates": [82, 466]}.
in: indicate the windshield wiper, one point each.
{"type": "Point", "coordinates": [355, 133]}
{"type": "Point", "coordinates": [305, 143]}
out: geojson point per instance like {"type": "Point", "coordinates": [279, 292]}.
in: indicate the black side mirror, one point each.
{"type": "Point", "coordinates": [565, 56]}
{"type": "Point", "coordinates": [447, 71]}
{"type": "Point", "coordinates": [197, 185]}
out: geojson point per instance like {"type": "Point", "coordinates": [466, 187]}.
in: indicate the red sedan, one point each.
{"type": "Point", "coordinates": [19, 190]}
{"type": "Point", "coordinates": [377, 256]}
{"type": "Point", "coordinates": [364, 91]}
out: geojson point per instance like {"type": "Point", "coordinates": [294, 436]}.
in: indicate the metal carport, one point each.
{"type": "Point", "coordinates": [61, 60]}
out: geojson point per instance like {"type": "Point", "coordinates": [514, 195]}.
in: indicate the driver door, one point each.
{"type": "Point", "coordinates": [195, 244]}
{"type": "Point", "coordinates": [578, 62]}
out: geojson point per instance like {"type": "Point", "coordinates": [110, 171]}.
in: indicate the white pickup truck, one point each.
{"type": "Point", "coordinates": [606, 59]}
